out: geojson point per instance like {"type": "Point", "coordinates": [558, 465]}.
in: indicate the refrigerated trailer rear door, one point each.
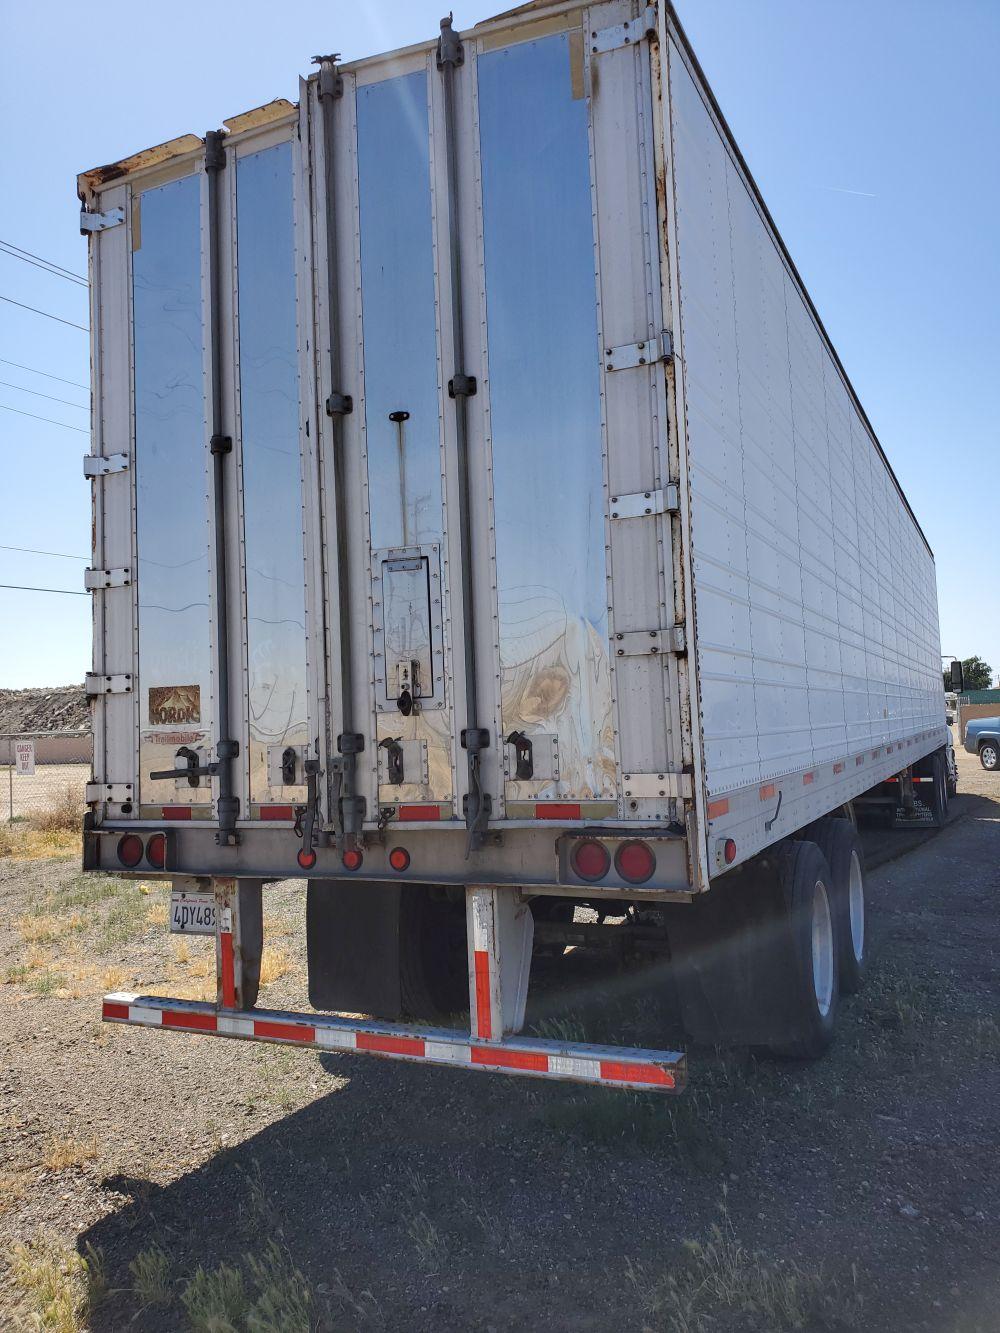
{"type": "Point", "coordinates": [547, 218]}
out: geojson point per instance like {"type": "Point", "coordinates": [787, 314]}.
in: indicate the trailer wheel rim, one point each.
{"type": "Point", "coordinates": [856, 908]}
{"type": "Point", "coordinates": [822, 949]}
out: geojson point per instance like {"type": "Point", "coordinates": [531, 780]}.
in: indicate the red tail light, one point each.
{"type": "Point", "coordinates": [156, 851]}
{"type": "Point", "coordinates": [399, 859]}
{"type": "Point", "coordinates": [130, 850]}
{"type": "Point", "coordinates": [591, 860]}
{"type": "Point", "coordinates": [305, 859]}
{"type": "Point", "coordinates": [729, 851]}
{"type": "Point", "coordinates": [352, 859]}
{"type": "Point", "coordinates": [635, 862]}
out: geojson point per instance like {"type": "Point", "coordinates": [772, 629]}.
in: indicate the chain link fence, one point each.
{"type": "Point", "coordinates": [43, 773]}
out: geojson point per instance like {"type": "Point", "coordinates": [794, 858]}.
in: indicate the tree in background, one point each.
{"type": "Point", "coordinates": [978, 675]}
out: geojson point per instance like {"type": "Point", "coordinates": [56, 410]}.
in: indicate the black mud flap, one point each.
{"type": "Point", "coordinates": [250, 906]}
{"type": "Point", "coordinates": [352, 947]}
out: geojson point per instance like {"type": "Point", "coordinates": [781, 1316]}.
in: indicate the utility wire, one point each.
{"type": "Point", "coordinates": [4, 384]}
{"type": "Point", "coordinates": [30, 254]}
{"type": "Point", "coordinates": [45, 267]}
{"type": "Point", "coordinates": [30, 550]}
{"type": "Point", "coordinates": [17, 365]}
{"type": "Point", "coordinates": [58, 318]}
{"type": "Point", "coordinates": [36, 417]}
{"type": "Point", "coordinates": [23, 587]}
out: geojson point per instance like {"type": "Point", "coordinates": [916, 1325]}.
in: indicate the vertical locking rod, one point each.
{"type": "Point", "coordinates": [226, 748]}
{"type": "Point", "coordinates": [348, 807]}
{"type": "Point", "coordinates": [450, 54]}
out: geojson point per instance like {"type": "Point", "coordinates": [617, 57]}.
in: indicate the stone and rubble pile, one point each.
{"type": "Point", "coordinates": [55, 708]}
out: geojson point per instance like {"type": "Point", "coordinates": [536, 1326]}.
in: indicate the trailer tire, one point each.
{"type": "Point", "coordinates": [799, 963]}
{"type": "Point", "coordinates": [743, 960]}
{"type": "Point", "coordinates": [838, 840]}
{"type": "Point", "coordinates": [433, 956]}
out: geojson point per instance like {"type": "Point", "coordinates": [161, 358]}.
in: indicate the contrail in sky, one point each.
{"type": "Point", "coordinates": [840, 190]}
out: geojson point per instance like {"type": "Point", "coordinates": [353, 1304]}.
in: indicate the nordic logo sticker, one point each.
{"type": "Point", "coordinates": [170, 704]}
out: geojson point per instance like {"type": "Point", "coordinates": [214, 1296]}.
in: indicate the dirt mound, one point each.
{"type": "Point", "coordinates": [63, 708]}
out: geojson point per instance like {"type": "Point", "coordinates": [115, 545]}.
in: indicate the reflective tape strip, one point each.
{"type": "Point", "coordinates": [446, 1052]}
{"type": "Point", "coordinates": [718, 808]}
{"type": "Point", "coordinates": [228, 969]}
{"type": "Point", "coordinates": [506, 1059]}
{"type": "Point", "coordinates": [374, 1041]}
{"type": "Point", "coordinates": [152, 1018]}
{"type": "Point", "coordinates": [623, 1067]}
{"type": "Point", "coordinates": [484, 1022]}
{"type": "Point", "coordinates": [558, 810]}
{"type": "Point", "coordinates": [182, 1018]}
{"type": "Point", "coordinates": [235, 1025]}
{"type": "Point", "coordinates": [336, 1039]}
{"type": "Point", "coordinates": [263, 1027]}
{"type": "Point", "coordinates": [619, 1072]}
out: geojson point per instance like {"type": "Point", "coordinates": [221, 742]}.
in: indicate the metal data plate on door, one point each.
{"type": "Point", "coordinates": [406, 606]}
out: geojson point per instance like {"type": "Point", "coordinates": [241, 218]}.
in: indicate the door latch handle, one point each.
{"type": "Point", "coordinates": [394, 760]}
{"type": "Point", "coordinates": [192, 769]}
{"type": "Point", "coordinates": [525, 764]}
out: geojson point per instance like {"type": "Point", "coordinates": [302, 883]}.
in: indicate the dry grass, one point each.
{"type": "Point", "coordinates": [21, 842]}
{"type": "Point", "coordinates": [64, 1151]}
{"type": "Point", "coordinates": [150, 1271]}
{"type": "Point", "coordinates": [58, 1288]}
{"type": "Point", "coordinates": [158, 914]}
{"type": "Point", "coordinates": [54, 831]}
{"type": "Point", "coordinates": [274, 964]}
{"type": "Point", "coordinates": [723, 1278]}
{"type": "Point", "coordinates": [44, 927]}
{"type": "Point", "coordinates": [14, 1186]}
{"type": "Point", "coordinates": [65, 816]}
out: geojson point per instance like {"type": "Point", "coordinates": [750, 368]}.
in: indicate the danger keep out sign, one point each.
{"type": "Point", "coordinates": [24, 758]}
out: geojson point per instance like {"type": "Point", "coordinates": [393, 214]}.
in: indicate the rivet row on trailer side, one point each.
{"type": "Point", "coordinates": [485, 527]}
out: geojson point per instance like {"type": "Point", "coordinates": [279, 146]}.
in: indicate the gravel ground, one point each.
{"type": "Point", "coordinates": [858, 1192]}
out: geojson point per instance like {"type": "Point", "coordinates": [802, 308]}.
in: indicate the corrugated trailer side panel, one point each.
{"type": "Point", "coordinates": [816, 623]}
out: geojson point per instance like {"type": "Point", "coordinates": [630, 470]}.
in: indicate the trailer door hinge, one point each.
{"type": "Point", "coordinates": [629, 355]}
{"type": "Point", "coordinates": [91, 222]}
{"type": "Point", "coordinates": [99, 685]}
{"type": "Point", "coordinates": [624, 34]}
{"type": "Point", "coordinates": [94, 465]}
{"type": "Point", "coordinates": [95, 579]}
{"type": "Point", "coordinates": [665, 500]}
{"type": "Point", "coordinates": [649, 642]}
{"type": "Point", "coordinates": [118, 792]}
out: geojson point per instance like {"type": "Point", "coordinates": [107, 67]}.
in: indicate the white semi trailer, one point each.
{"type": "Point", "coordinates": [484, 526]}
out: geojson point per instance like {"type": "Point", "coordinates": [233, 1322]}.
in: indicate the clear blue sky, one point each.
{"type": "Point", "coordinates": [872, 130]}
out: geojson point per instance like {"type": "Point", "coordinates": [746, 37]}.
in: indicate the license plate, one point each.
{"type": "Point", "coordinates": [192, 913]}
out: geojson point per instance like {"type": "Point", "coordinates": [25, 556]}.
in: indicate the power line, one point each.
{"type": "Point", "coordinates": [42, 260]}
{"type": "Point", "coordinates": [30, 550]}
{"type": "Point", "coordinates": [36, 417]}
{"type": "Point", "coordinates": [17, 365]}
{"type": "Point", "coordinates": [45, 267]}
{"type": "Point", "coordinates": [23, 587]}
{"type": "Point", "coordinates": [21, 389]}
{"type": "Point", "coordinates": [30, 254]}
{"type": "Point", "coordinates": [58, 318]}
